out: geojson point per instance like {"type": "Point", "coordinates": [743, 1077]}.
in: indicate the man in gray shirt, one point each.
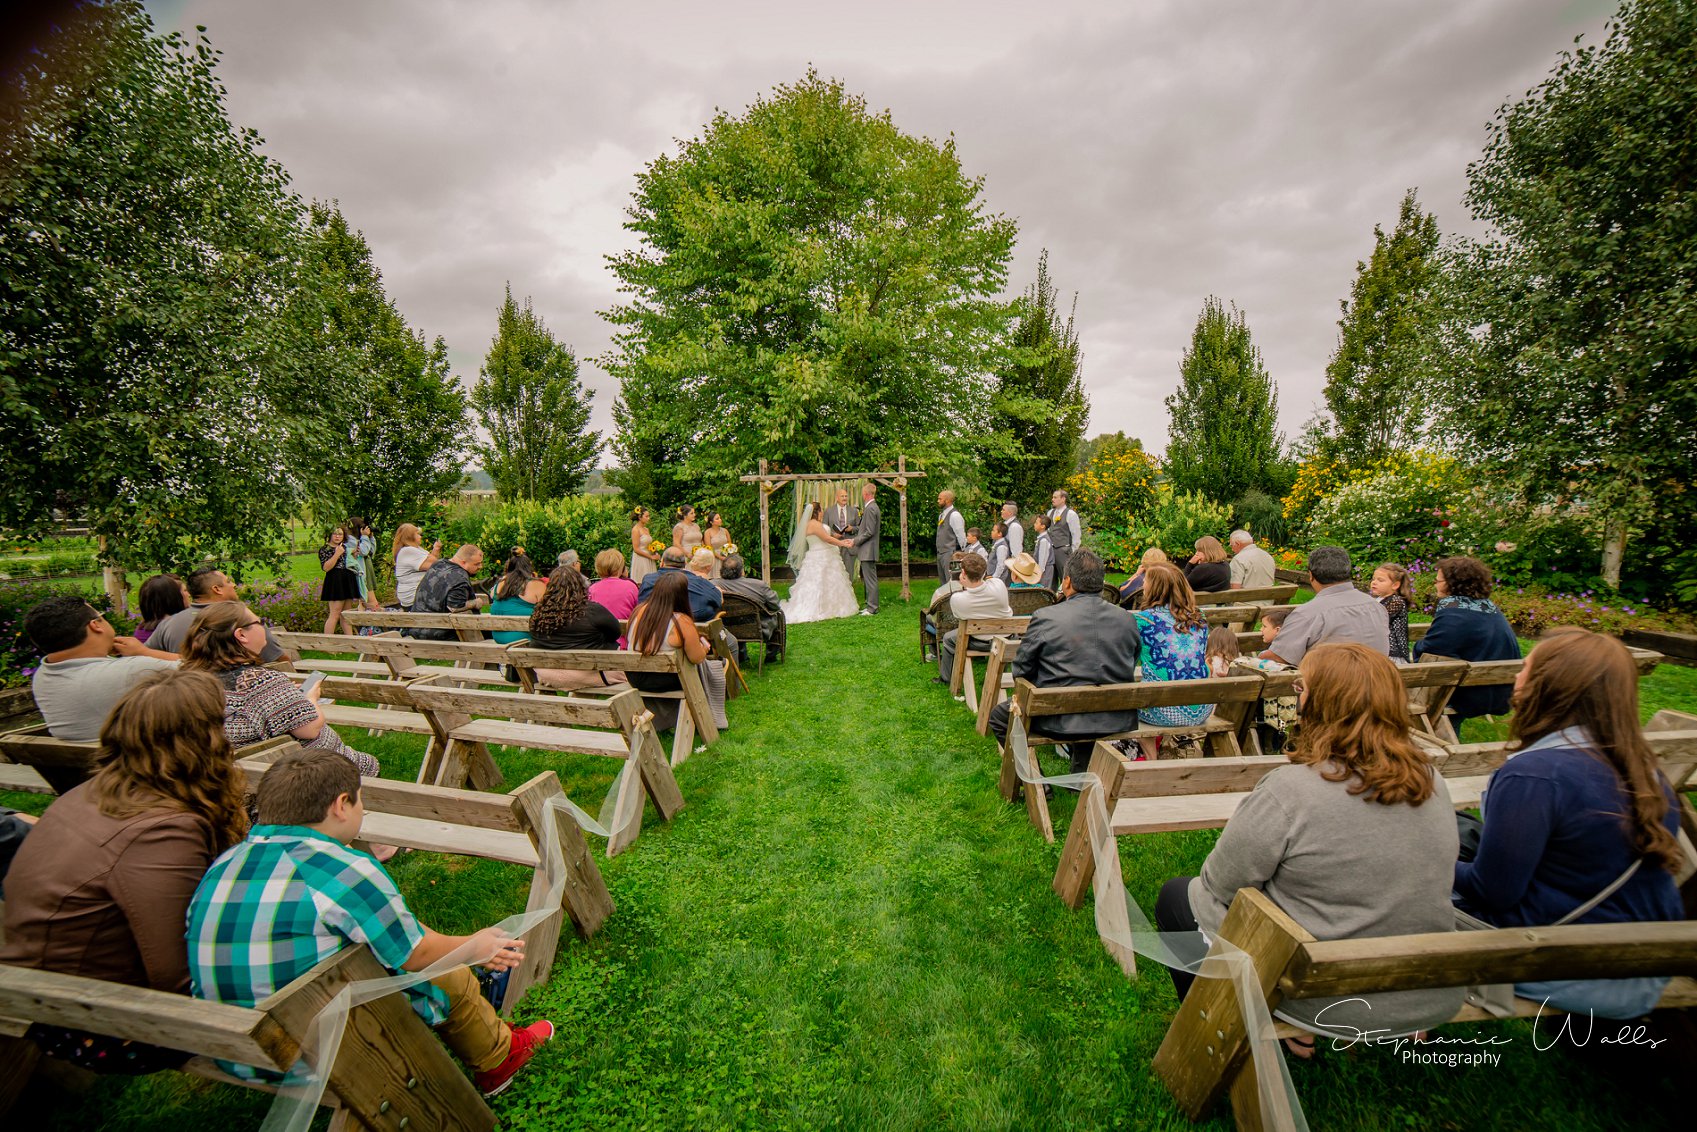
{"type": "Point", "coordinates": [1339, 612]}
{"type": "Point", "coordinates": [207, 586]}
{"type": "Point", "coordinates": [79, 680]}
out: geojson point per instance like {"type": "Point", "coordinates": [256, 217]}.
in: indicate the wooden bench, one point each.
{"type": "Point", "coordinates": [466, 626]}
{"type": "Point", "coordinates": [1167, 796]}
{"type": "Point", "coordinates": [1205, 1054]}
{"type": "Point", "coordinates": [391, 1071]}
{"type": "Point", "coordinates": [695, 715]}
{"type": "Point", "coordinates": [497, 827]}
{"type": "Point", "coordinates": [990, 629]}
{"type": "Point", "coordinates": [1264, 595]}
{"type": "Point", "coordinates": [392, 655]}
{"type": "Point", "coordinates": [1231, 696]}
{"type": "Point", "coordinates": [618, 727]}
{"type": "Point", "coordinates": [63, 764]}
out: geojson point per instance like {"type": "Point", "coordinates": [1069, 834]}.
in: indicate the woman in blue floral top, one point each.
{"type": "Point", "coordinates": [1174, 636]}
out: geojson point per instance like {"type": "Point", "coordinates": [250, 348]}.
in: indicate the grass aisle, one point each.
{"type": "Point", "coordinates": [846, 927]}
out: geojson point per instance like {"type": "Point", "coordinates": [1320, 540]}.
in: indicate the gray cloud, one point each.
{"type": "Point", "coordinates": [1161, 152]}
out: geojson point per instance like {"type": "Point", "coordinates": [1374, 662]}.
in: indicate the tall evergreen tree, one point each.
{"type": "Point", "coordinates": [534, 408]}
{"type": "Point", "coordinates": [399, 443]}
{"type": "Point", "coordinates": [1223, 436]}
{"type": "Point", "coordinates": [1386, 339]}
{"type": "Point", "coordinates": [1039, 408]}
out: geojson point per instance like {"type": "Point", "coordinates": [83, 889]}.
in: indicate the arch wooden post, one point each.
{"type": "Point", "coordinates": [765, 530]}
{"type": "Point", "coordinates": [901, 490]}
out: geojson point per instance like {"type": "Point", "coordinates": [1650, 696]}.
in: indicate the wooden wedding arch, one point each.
{"type": "Point", "coordinates": [769, 482]}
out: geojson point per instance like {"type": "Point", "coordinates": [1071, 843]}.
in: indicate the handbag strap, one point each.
{"type": "Point", "coordinates": [1601, 896]}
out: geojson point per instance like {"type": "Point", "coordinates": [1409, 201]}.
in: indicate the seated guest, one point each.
{"type": "Point", "coordinates": [1467, 625]}
{"type": "Point", "coordinates": [1174, 639]}
{"type": "Point", "coordinates": [79, 679]}
{"type": "Point", "coordinates": [1356, 839]}
{"type": "Point", "coordinates": [705, 600]}
{"type": "Point", "coordinates": [159, 597]}
{"type": "Point", "coordinates": [566, 618]}
{"type": "Point", "coordinates": [517, 594]}
{"type": "Point", "coordinates": [446, 588]}
{"type": "Point", "coordinates": [101, 886]}
{"type": "Point", "coordinates": [569, 558]}
{"type": "Point", "coordinates": [1154, 556]}
{"type": "Point", "coordinates": [1208, 572]}
{"type": "Point", "coordinates": [259, 702]}
{"type": "Point", "coordinates": [1251, 567]}
{"type": "Point", "coordinates": [1278, 713]}
{"type": "Point", "coordinates": [207, 587]}
{"type": "Point", "coordinates": [1078, 641]}
{"type": "Point", "coordinates": [611, 590]}
{"type": "Point", "coordinates": [939, 597]}
{"type": "Point", "coordinates": [295, 893]}
{"type": "Point", "coordinates": [978, 597]}
{"type": "Point", "coordinates": [663, 623]}
{"type": "Point", "coordinates": [411, 562]}
{"type": "Point", "coordinates": [1338, 614]}
{"type": "Point", "coordinates": [731, 581]}
{"type": "Point", "coordinates": [1025, 572]}
{"type": "Point", "coordinates": [1580, 811]}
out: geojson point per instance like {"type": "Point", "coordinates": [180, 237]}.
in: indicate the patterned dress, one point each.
{"type": "Point", "coordinates": [1396, 609]}
{"type": "Point", "coordinates": [261, 703]}
{"type": "Point", "coordinates": [1169, 654]}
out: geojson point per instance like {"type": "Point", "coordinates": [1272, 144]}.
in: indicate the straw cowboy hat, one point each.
{"type": "Point", "coordinates": [1024, 568]}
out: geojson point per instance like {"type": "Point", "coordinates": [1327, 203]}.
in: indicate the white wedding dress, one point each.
{"type": "Point", "coordinates": [822, 589]}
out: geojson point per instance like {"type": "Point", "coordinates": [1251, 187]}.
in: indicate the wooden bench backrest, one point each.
{"type": "Point", "coordinates": [364, 690]}
{"type": "Point", "coordinates": [994, 626]}
{"type": "Point", "coordinates": [406, 648]}
{"type": "Point", "coordinates": [1277, 595]}
{"type": "Point", "coordinates": [392, 619]}
{"type": "Point", "coordinates": [1034, 701]}
{"type": "Point", "coordinates": [596, 660]}
{"type": "Point", "coordinates": [66, 764]}
{"type": "Point", "coordinates": [296, 643]}
{"type": "Point", "coordinates": [1230, 613]}
{"type": "Point", "coordinates": [566, 711]}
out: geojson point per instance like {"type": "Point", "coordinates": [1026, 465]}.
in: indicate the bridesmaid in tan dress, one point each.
{"type": "Point", "coordinates": [716, 538]}
{"type": "Point", "coordinates": [643, 561]}
{"type": "Point", "coordinates": [686, 532]}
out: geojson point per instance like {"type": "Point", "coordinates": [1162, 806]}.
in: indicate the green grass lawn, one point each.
{"type": "Point", "coordinates": [847, 927]}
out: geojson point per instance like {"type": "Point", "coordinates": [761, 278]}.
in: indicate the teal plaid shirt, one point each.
{"type": "Point", "coordinates": [287, 898]}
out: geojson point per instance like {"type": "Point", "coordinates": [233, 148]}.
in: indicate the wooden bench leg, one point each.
{"type": "Point", "coordinates": [655, 774]}
{"type": "Point", "coordinates": [1207, 1046]}
{"type": "Point", "coordinates": [586, 899]}
{"type": "Point", "coordinates": [1078, 860]}
{"type": "Point", "coordinates": [683, 736]}
{"type": "Point", "coordinates": [18, 1058]}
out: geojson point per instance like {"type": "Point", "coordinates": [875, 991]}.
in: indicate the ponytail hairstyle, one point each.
{"type": "Point", "coordinates": [1577, 678]}
{"type": "Point", "coordinates": [515, 575]}
{"type": "Point", "coordinates": [1399, 578]}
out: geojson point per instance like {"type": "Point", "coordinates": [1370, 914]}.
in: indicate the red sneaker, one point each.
{"type": "Point", "coordinates": [526, 1042]}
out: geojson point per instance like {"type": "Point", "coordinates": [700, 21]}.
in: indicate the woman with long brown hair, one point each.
{"type": "Point", "coordinates": [260, 703]}
{"type": "Point", "coordinates": [1174, 645]}
{"type": "Point", "coordinates": [1580, 812]}
{"type": "Point", "coordinates": [1354, 840]}
{"type": "Point", "coordinates": [101, 886]}
{"type": "Point", "coordinates": [662, 624]}
{"type": "Point", "coordinates": [565, 618]}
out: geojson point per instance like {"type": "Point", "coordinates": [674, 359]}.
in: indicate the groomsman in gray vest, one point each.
{"type": "Point", "coordinates": [1012, 528]}
{"type": "Point", "coordinates": [1065, 534]}
{"type": "Point", "coordinates": [841, 518]}
{"type": "Point", "coordinates": [866, 549]}
{"type": "Point", "coordinates": [951, 533]}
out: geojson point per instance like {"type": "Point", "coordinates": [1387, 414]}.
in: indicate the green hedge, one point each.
{"type": "Point", "coordinates": [587, 524]}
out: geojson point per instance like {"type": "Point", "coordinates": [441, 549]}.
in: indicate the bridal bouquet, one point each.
{"type": "Point", "coordinates": [657, 545]}
{"type": "Point", "coordinates": [727, 550]}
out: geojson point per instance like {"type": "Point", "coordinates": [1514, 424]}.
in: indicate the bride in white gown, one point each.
{"type": "Point", "coordinates": [822, 589]}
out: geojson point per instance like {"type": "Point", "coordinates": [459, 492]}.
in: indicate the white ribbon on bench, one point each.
{"type": "Point", "coordinates": [298, 1100]}
{"type": "Point", "coordinates": [1182, 951]}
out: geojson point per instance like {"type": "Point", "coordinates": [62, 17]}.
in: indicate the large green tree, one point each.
{"type": "Point", "coordinates": [1223, 435]}
{"type": "Point", "coordinates": [1039, 408]}
{"type": "Point", "coordinates": [1104, 444]}
{"type": "Point", "coordinates": [1575, 330]}
{"type": "Point", "coordinates": [1387, 340]}
{"type": "Point", "coordinates": [155, 376]}
{"type": "Point", "coordinates": [813, 286]}
{"type": "Point", "coordinates": [535, 409]}
{"type": "Point", "coordinates": [399, 443]}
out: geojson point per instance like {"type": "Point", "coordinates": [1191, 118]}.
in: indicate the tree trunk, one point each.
{"type": "Point", "coordinates": [117, 586]}
{"type": "Point", "coordinates": [1614, 549]}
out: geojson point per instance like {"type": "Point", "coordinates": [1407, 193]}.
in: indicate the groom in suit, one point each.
{"type": "Point", "coordinates": [841, 518]}
{"type": "Point", "coordinates": [866, 549]}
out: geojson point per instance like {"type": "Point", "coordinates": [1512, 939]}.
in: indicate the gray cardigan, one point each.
{"type": "Point", "coordinates": [1343, 867]}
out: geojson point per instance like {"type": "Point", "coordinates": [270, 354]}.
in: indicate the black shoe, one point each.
{"type": "Point", "coordinates": [938, 680]}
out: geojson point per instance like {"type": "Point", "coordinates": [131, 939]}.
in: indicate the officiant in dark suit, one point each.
{"type": "Point", "coordinates": [866, 549]}
{"type": "Point", "coordinates": [842, 518]}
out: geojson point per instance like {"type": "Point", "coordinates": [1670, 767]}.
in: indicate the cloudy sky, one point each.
{"type": "Point", "coordinates": [1161, 151]}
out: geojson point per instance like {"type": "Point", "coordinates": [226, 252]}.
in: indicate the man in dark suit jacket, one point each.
{"type": "Point", "coordinates": [731, 582]}
{"type": "Point", "coordinates": [1079, 641]}
{"type": "Point", "coordinates": [705, 600]}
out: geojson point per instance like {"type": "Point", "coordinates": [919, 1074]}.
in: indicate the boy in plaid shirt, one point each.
{"type": "Point", "coordinates": [294, 893]}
